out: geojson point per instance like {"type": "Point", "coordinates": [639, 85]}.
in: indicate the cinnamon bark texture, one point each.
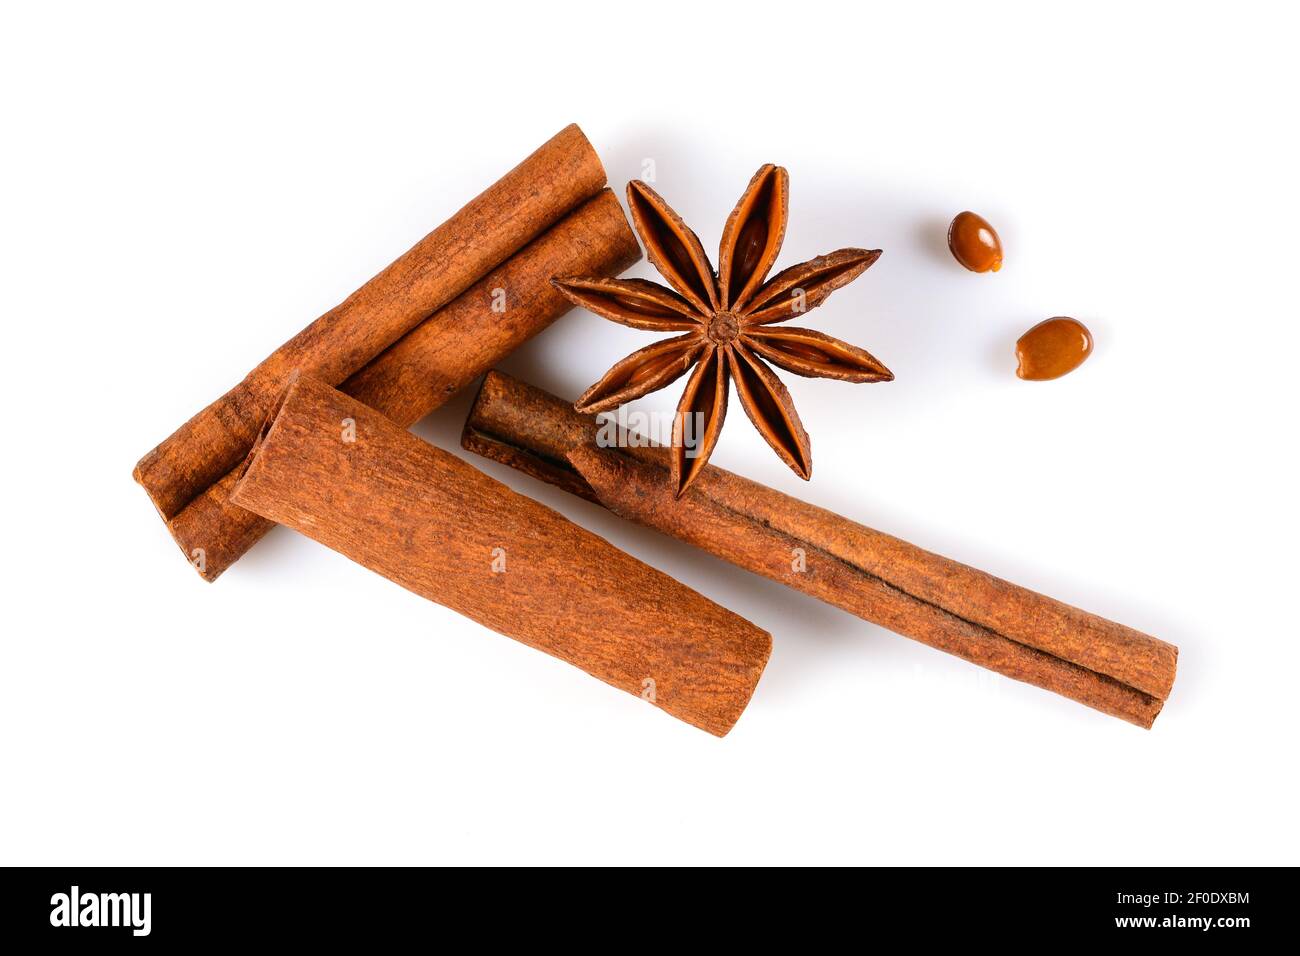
{"type": "Point", "coordinates": [343, 474]}
{"type": "Point", "coordinates": [525, 202]}
{"type": "Point", "coordinates": [882, 579]}
{"type": "Point", "coordinates": [437, 358]}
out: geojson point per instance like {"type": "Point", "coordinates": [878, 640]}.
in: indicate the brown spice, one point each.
{"type": "Point", "coordinates": [728, 320]}
{"type": "Point", "coordinates": [346, 476]}
{"type": "Point", "coordinates": [882, 579]}
{"type": "Point", "coordinates": [530, 198]}
{"type": "Point", "coordinates": [444, 353]}
{"type": "Point", "coordinates": [1052, 348]}
{"type": "Point", "coordinates": [974, 243]}
{"type": "Point", "coordinates": [433, 361]}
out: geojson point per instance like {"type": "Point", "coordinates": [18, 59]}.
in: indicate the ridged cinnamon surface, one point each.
{"type": "Point", "coordinates": [880, 578]}
{"type": "Point", "coordinates": [440, 356]}
{"type": "Point", "coordinates": [537, 193]}
{"type": "Point", "coordinates": [437, 526]}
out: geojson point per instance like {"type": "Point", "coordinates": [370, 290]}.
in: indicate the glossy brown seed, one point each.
{"type": "Point", "coordinates": [974, 243]}
{"type": "Point", "coordinates": [1052, 348]}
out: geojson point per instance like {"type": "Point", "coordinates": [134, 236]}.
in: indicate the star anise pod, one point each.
{"type": "Point", "coordinates": [728, 318]}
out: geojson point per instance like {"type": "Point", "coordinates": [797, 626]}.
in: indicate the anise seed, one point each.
{"type": "Point", "coordinates": [974, 243]}
{"type": "Point", "coordinates": [1052, 348]}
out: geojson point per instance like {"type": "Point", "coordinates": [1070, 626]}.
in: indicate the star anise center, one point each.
{"type": "Point", "coordinates": [723, 328]}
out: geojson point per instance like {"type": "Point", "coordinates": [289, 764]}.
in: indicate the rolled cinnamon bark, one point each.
{"type": "Point", "coordinates": [442, 355]}
{"type": "Point", "coordinates": [564, 172]}
{"type": "Point", "coordinates": [879, 578]}
{"type": "Point", "coordinates": [343, 474]}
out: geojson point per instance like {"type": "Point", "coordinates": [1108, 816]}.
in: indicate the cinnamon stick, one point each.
{"type": "Point", "coordinates": [343, 474]}
{"type": "Point", "coordinates": [940, 602]}
{"type": "Point", "coordinates": [526, 201]}
{"type": "Point", "coordinates": [442, 355]}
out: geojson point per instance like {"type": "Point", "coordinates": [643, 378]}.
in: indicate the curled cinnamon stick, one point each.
{"type": "Point", "coordinates": [530, 198]}
{"type": "Point", "coordinates": [343, 474]}
{"type": "Point", "coordinates": [437, 358]}
{"type": "Point", "coordinates": [879, 578]}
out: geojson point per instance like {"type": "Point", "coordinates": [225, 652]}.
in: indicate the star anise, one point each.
{"type": "Point", "coordinates": [728, 318]}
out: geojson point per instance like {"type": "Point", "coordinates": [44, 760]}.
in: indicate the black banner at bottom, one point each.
{"type": "Point", "coordinates": [136, 907]}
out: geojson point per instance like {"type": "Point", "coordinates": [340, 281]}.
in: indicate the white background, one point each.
{"type": "Point", "coordinates": [184, 190]}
